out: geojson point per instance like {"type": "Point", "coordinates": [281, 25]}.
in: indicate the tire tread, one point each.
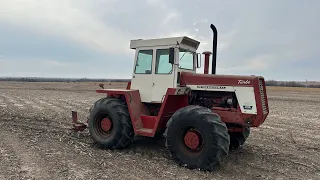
{"type": "Point", "coordinates": [218, 130]}
{"type": "Point", "coordinates": [120, 110]}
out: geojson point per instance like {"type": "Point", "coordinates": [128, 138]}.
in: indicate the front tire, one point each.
{"type": "Point", "coordinates": [110, 124]}
{"type": "Point", "coordinates": [197, 138]}
{"type": "Point", "coordinates": [237, 139]}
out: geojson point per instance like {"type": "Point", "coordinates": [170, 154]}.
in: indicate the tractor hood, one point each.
{"type": "Point", "coordinates": [187, 78]}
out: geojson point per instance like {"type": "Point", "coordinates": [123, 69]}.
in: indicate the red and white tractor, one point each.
{"type": "Point", "coordinates": [201, 116]}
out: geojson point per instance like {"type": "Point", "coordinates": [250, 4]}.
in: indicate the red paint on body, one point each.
{"type": "Point", "coordinates": [129, 85]}
{"type": "Point", "coordinates": [232, 115]}
{"type": "Point", "coordinates": [143, 124]}
{"type": "Point", "coordinates": [187, 78]}
{"type": "Point", "coordinates": [170, 105]}
{"type": "Point", "coordinates": [133, 100]}
{"type": "Point", "coordinates": [206, 61]}
{"type": "Point", "coordinates": [146, 125]}
{"type": "Point", "coordinates": [148, 121]}
{"type": "Point", "coordinates": [74, 116]}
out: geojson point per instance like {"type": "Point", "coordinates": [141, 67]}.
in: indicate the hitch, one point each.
{"type": "Point", "coordinates": [77, 126]}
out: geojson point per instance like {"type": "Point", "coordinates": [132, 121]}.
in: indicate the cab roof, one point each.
{"type": "Point", "coordinates": [164, 42]}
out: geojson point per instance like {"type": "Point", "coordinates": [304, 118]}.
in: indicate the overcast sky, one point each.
{"type": "Point", "coordinates": [85, 38]}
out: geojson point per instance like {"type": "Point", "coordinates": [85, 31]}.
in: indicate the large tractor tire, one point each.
{"type": "Point", "coordinates": [197, 138]}
{"type": "Point", "coordinates": [110, 124]}
{"type": "Point", "coordinates": [237, 139]}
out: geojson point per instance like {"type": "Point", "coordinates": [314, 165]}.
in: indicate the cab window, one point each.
{"type": "Point", "coordinates": [186, 59]}
{"type": "Point", "coordinates": [162, 62]}
{"type": "Point", "coordinates": [144, 62]}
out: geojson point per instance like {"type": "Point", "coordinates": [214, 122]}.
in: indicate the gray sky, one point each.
{"type": "Point", "coordinates": [85, 38]}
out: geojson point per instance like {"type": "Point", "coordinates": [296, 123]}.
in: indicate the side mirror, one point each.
{"type": "Point", "coordinates": [171, 55]}
{"type": "Point", "coordinates": [198, 59]}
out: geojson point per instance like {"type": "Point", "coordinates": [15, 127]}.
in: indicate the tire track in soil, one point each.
{"type": "Point", "coordinates": [2, 101]}
{"type": "Point", "coordinates": [47, 117]}
{"type": "Point", "coordinates": [99, 160]}
{"type": "Point", "coordinates": [73, 102]}
{"type": "Point", "coordinates": [47, 127]}
{"type": "Point", "coordinates": [75, 157]}
{"type": "Point", "coordinates": [30, 164]}
{"type": "Point", "coordinates": [268, 154]}
{"type": "Point", "coordinates": [9, 162]}
{"type": "Point", "coordinates": [29, 99]}
{"type": "Point", "coordinates": [11, 101]}
{"type": "Point", "coordinates": [42, 158]}
{"type": "Point", "coordinates": [56, 111]}
{"type": "Point", "coordinates": [43, 103]}
{"type": "Point", "coordinates": [19, 102]}
{"type": "Point", "coordinates": [46, 104]}
{"type": "Point", "coordinates": [39, 100]}
{"type": "Point", "coordinates": [30, 104]}
{"type": "Point", "coordinates": [71, 105]}
{"type": "Point", "coordinates": [40, 126]}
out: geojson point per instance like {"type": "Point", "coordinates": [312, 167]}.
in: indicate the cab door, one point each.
{"type": "Point", "coordinates": [142, 79]}
{"type": "Point", "coordinates": [163, 77]}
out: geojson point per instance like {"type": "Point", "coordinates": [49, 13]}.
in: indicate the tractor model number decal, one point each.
{"type": "Point", "coordinates": [212, 87]}
{"type": "Point", "coordinates": [243, 82]}
{"type": "Point", "coordinates": [247, 107]}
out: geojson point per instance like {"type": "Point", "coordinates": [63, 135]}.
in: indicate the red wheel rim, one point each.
{"type": "Point", "coordinates": [192, 139]}
{"type": "Point", "coordinates": [106, 124]}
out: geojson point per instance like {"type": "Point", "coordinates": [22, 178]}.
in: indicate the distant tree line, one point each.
{"type": "Point", "coordinates": [69, 80]}
{"type": "Point", "coordinates": [36, 79]}
{"type": "Point", "coordinates": [291, 84]}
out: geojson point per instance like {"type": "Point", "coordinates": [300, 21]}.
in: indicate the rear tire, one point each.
{"type": "Point", "coordinates": [212, 139]}
{"type": "Point", "coordinates": [119, 133]}
{"type": "Point", "coordinates": [237, 139]}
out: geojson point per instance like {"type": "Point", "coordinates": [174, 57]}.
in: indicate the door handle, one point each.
{"type": "Point", "coordinates": [152, 84]}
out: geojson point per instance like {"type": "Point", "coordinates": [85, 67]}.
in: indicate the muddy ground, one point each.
{"type": "Point", "coordinates": [36, 141]}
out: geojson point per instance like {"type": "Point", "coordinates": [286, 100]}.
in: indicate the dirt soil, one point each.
{"type": "Point", "coordinates": [36, 141]}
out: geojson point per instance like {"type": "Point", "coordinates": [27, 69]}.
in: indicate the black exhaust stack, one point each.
{"type": "Point", "coordinates": [214, 48]}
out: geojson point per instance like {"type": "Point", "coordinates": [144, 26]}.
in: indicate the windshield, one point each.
{"type": "Point", "coordinates": [186, 59]}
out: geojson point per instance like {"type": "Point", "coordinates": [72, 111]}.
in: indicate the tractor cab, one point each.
{"type": "Point", "coordinates": [158, 62]}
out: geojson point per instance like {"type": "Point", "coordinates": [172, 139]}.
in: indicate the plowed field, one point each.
{"type": "Point", "coordinates": [36, 141]}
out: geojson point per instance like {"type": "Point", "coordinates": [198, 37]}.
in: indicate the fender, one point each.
{"type": "Point", "coordinates": [142, 123]}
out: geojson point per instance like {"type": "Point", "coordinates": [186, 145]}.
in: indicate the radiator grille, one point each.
{"type": "Point", "coordinates": [263, 97]}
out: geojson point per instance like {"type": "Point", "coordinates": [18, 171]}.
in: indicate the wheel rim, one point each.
{"type": "Point", "coordinates": [103, 125]}
{"type": "Point", "coordinates": [106, 124]}
{"type": "Point", "coordinates": [192, 140]}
